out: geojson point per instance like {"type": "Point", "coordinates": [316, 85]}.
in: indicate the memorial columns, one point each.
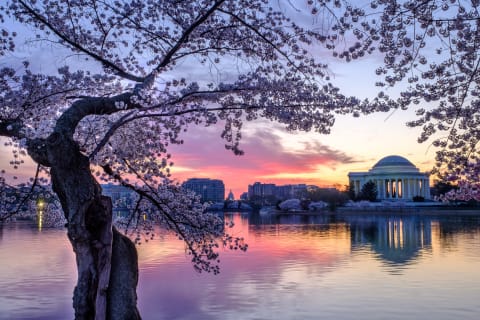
{"type": "Point", "coordinates": [395, 178]}
{"type": "Point", "coordinates": [427, 189]}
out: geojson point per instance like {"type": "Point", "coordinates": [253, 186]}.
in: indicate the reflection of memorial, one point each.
{"type": "Point", "coordinates": [396, 240]}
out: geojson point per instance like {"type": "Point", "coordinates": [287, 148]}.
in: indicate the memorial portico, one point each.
{"type": "Point", "coordinates": [396, 178]}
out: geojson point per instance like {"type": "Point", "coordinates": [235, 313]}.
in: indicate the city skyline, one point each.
{"type": "Point", "coordinates": [251, 185]}
{"type": "Point", "coordinates": [274, 156]}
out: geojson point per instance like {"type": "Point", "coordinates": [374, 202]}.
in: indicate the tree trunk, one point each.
{"type": "Point", "coordinates": [106, 260]}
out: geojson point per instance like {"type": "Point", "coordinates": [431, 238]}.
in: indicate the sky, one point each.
{"type": "Point", "coordinates": [273, 155]}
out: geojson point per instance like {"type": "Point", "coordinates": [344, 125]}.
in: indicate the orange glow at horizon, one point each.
{"type": "Point", "coordinates": [275, 156]}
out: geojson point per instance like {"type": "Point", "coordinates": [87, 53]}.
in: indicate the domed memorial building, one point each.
{"type": "Point", "coordinates": [396, 178]}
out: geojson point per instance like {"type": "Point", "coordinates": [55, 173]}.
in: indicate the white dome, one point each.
{"type": "Point", "coordinates": [394, 164]}
{"type": "Point", "coordinates": [393, 161]}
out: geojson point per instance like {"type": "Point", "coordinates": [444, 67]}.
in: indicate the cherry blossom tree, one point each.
{"type": "Point", "coordinates": [132, 76]}
{"type": "Point", "coordinates": [431, 55]}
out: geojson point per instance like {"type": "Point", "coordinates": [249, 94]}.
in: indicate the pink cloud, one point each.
{"type": "Point", "coordinates": [204, 155]}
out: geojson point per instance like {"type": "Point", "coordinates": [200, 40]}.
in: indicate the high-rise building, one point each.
{"type": "Point", "coordinates": [266, 190]}
{"type": "Point", "coordinates": [261, 189]}
{"type": "Point", "coordinates": [208, 189]}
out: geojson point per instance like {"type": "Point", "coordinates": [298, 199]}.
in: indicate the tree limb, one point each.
{"type": "Point", "coordinates": [106, 63]}
{"type": "Point", "coordinates": [184, 38]}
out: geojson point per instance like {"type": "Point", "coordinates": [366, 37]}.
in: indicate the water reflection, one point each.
{"type": "Point", "coordinates": [40, 212]}
{"type": "Point", "coordinates": [297, 267]}
{"type": "Point", "coordinates": [450, 227]}
{"type": "Point", "coordinates": [396, 240]}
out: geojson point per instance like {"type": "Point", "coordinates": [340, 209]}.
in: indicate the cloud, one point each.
{"type": "Point", "coordinates": [334, 155]}
{"type": "Point", "coordinates": [269, 157]}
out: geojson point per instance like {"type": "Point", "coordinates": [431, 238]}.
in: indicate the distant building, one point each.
{"type": "Point", "coordinates": [122, 198]}
{"type": "Point", "coordinates": [270, 190]}
{"type": "Point", "coordinates": [261, 189]}
{"type": "Point", "coordinates": [299, 190]}
{"type": "Point", "coordinates": [284, 192]}
{"type": "Point", "coordinates": [230, 196]}
{"type": "Point", "coordinates": [395, 177]}
{"type": "Point", "coordinates": [208, 189]}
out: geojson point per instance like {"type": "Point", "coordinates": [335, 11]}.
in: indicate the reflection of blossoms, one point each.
{"type": "Point", "coordinates": [179, 210]}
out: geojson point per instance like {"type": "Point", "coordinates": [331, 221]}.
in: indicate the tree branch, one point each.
{"type": "Point", "coordinates": [106, 63]}
{"type": "Point", "coordinates": [263, 37]}
{"type": "Point", "coordinates": [186, 34]}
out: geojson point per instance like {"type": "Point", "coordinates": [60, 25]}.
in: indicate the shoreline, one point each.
{"type": "Point", "coordinates": [421, 210]}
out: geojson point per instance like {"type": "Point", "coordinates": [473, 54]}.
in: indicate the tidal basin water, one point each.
{"type": "Point", "coordinates": [297, 267]}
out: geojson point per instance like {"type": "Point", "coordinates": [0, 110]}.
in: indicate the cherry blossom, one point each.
{"type": "Point", "coordinates": [430, 53]}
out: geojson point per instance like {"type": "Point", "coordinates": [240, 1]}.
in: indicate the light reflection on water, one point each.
{"type": "Point", "coordinates": [297, 267]}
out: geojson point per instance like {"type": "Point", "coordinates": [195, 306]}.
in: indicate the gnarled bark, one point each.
{"type": "Point", "coordinates": [122, 296]}
{"type": "Point", "coordinates": [106, 260]}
